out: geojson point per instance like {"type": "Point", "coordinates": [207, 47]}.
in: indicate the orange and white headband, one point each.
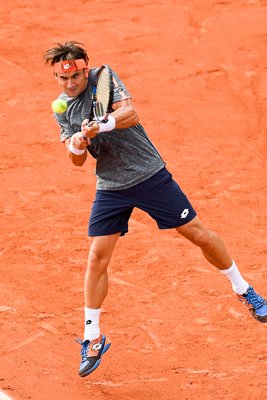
{"type": "Point", "coordinates": [69, 66]}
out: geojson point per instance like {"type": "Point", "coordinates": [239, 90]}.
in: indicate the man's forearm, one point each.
{"type": "Point", "coordinates": [76, 159]}
{"type": "Point", "coordinates": [125, 117]}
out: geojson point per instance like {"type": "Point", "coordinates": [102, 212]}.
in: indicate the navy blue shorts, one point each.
{"type": "Point", "coordinates": [160, 196]}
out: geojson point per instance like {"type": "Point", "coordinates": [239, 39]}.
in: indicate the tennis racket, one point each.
{"type": "Point", "coordinates": [102, 97]}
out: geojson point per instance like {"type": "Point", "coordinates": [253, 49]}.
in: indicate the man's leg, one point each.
{"type": "Point", "coordinates": [211, 245]}
{"type": "Point", "coordinates": [95, 291]}
{"type": "Point", "coordinates": [96, 277]}
{"type": "Point", "coordinates": [214, 250]}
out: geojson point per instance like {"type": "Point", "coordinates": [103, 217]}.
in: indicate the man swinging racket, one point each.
{"type": "Point", "coordinates": [101, 120]}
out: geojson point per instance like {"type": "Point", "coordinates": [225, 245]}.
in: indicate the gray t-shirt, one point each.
{"type": "Point", "coordinates": [124, 157]}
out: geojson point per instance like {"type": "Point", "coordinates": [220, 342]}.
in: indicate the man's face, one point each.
{"type": "Point", "coordinates": [73, 83]}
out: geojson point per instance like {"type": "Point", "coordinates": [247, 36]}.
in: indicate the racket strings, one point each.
{"type": "Point", "coordinates": [103, 93]}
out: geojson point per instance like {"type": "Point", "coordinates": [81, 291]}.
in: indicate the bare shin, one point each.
{"type": "Point", "coordinates": [96, 276]}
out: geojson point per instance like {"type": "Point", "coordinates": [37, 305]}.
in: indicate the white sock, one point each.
{"type": "Point", "coordinates": [239, 284]}
{"type": "Point", "coordinates": [91, 324]}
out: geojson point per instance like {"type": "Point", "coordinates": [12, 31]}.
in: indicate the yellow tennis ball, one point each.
{"type": "Point", "coordinates": [59, 106]}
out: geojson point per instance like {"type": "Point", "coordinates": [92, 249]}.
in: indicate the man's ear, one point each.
{"type": "Point", "coordinates": [55, 74]}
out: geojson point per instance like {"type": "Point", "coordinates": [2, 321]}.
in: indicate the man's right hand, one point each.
{"type": "Point", "coordinates": [76, 146]}
{"type": "Point", "coordinates": [89, 130]}
{"type": "Point", "coordinates": [78, 141]}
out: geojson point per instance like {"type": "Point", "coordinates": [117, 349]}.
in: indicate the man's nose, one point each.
{"type": "Point", "coordinates": [70, 83]}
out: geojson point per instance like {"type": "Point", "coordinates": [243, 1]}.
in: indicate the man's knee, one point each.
{"type": "Point", "coordinates": [97, 262]}
{"type": "Point", "coordinates": [202, 238]}
{"type": "Point", "coordinates": [100, 252]}
{"type": "Point", "coordinates": [197, 233]}
{"type": "Point", "coordinates": [97, 257]}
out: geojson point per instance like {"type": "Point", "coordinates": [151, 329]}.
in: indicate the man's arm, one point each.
{"type": "Point", "coordinates": [78, 143]}
{"type": "Point", "coordinates": [124, 115]}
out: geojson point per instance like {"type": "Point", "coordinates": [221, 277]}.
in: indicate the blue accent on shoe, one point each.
{"type": "Point", "coordinates": [90, 363]}
{"type": "Point", "coordinates": [257, 305]}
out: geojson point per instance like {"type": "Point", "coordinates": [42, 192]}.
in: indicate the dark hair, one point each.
{"type": "Point", "coordinates": [70, 50]}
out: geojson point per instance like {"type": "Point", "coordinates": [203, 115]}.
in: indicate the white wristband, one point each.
{"type": "Point", "coordinates": [107, 126]}
{"type": "Point", "coordinates": [73, 150]}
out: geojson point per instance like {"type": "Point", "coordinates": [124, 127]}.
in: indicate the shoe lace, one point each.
{"type": "Point", "coordinates": [84, 348]}
{"type": "Point", "coordinates": [254, 299]}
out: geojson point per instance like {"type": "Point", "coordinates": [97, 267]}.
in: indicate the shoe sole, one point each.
{"type": "Point", "coordinates": [258, 318]}
{"type": "Point", "coordinates": [106, 347]}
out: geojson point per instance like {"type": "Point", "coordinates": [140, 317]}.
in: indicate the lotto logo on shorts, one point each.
{"type": "Point", "coordinates": [185, 213]}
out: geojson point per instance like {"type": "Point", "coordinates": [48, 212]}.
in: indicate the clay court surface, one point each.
{"type": "Point", "coordinates": [197, 74]}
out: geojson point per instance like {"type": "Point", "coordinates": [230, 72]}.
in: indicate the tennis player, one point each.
{"type": "Point", "coordinates": [130, 173]}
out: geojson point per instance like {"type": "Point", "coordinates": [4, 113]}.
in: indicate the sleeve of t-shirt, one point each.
{"type": "Point", "coordinates": [119, 92]}
{"type": "Point", "coordinates": [65, 129]}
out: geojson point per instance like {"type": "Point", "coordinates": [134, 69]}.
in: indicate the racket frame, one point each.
{"type": "Point", "coordinates": [94, 113]}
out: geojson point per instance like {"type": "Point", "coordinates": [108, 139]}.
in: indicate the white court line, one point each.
{"type": "Point", "coordinates": [114, 279]}
{"type": "Point", "coordinates": [3, 396]}
{"type": "Point", "coordinates": [8, 62]}
{"type": "Point", "coordinates": [27, 341]}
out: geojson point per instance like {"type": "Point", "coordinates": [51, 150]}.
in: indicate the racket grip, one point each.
{"type": "Point", "coordinates": [88, 140]}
